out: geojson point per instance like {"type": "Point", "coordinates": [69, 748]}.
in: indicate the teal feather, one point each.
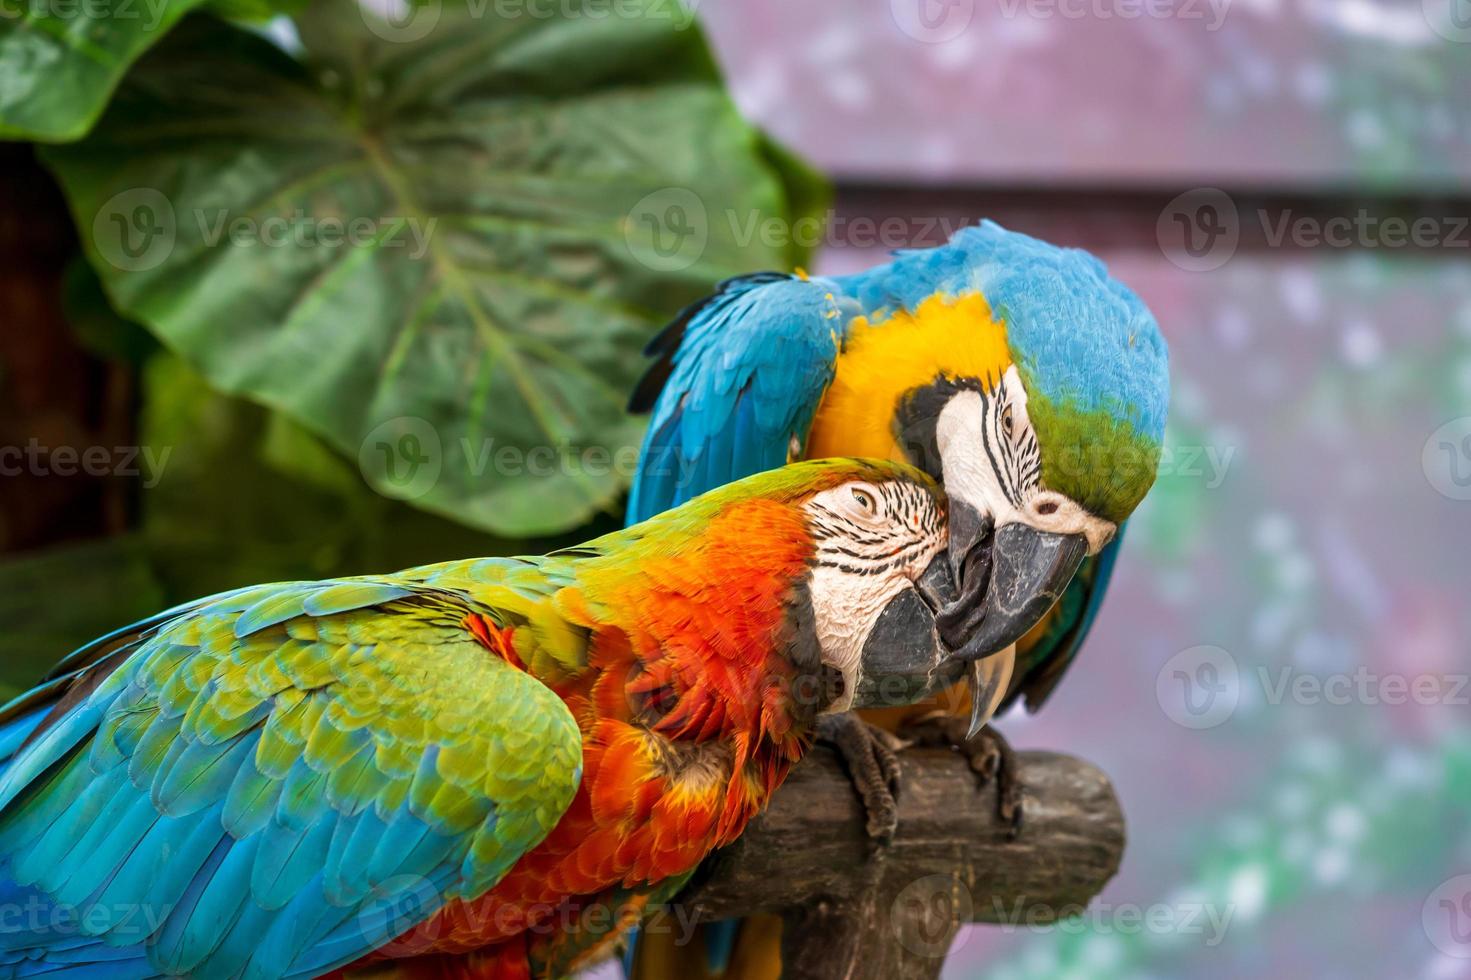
{"type": "Point", "coordinates": [201, 775]}
{"type": "Point", "coordinates": [388, 914]}
{"type": "Point", "coordinates": [73, 802]}
{"type": "Point", "coordinates": [118, 737]}
{"type": "Point", "coordinates": [302, 797]}
{"type": "Point", "coordinates": [250, 801]}
{"type": "Point", "coordinates": [334, 886]}
{"type": "Point", "coordinates": [50, 746]}
{"type": "Point", "coordinates": [44, 859]}
{"type": "Point", "coordinates": [14, 733]}
{"type": "Point", "coordinates": [251, 782]}
{"type": "Point", "coordinates": [217, 897]}
{"type": "Point", "coordinates": [402, 836]}
{"type": "Point", "coordinates": [288, 856]}
{"type": "Point", "coordinates": [299, 926]}
{"type": "Point", "coordinates": [80, 873]}
{"type": "Point", "coordinates": [346, 596]}
{"type": "Point", "coordinates": [157, 872]}
{"type": "Point", "coordinates": [233, 936]}
{"type": "Point", "coordinates": [154, 746]}
{"type": "Point", "coordinates": [353, 783]}
{"type": "Point", "coordinates": [268, 611]}
{"type": "Point", "coordinates": [192, 929]}
{"type": "Point", "coordinates": [354, 874]}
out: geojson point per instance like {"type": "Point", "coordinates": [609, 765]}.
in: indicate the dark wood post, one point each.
{"type": "Point", "coordinates": [855, 914]}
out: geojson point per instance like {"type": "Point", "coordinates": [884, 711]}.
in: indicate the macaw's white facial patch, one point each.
{"type": "Point", "coordinates": [1049, 511]}
{"type": "Point", "coordinates": [873, 540]}
{"type": "Point", "coordinates": [991, 460]}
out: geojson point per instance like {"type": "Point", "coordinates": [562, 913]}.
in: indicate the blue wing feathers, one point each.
{"type": "Point", "coordinates": [14, 732]}
{"type": "Point", "coordinates": [255, 849]}
{"type": "Point", "coordinates": [740, 376]}
{"type": "Point", "coordinates": [201, 774]}
{"type": "Point", "coordinates": [51, 745]}
{"type": "Point", "coordinates": [191, 932]}
{"type": "Point", "coordinates": [249, 802]}
{"type": "Point", "coordinates": [289, 856]}
{"type": "Point", "coordinates": [157, 872]}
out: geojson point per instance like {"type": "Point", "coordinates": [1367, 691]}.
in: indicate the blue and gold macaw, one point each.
{"type": "Point", "coordinates": [1020, 374]}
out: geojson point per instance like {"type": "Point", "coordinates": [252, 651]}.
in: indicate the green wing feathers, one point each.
{"type": "Point", "coordinates": [276, 771]}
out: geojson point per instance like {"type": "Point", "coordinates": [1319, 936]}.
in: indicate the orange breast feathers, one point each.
{"type": "Point", "coordinates": [645, 811]}
{"type": "Point", "coordinates": [686, 719]}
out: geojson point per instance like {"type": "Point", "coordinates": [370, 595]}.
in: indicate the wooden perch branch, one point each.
{"type": "Point", "coordinates": [856, 915]}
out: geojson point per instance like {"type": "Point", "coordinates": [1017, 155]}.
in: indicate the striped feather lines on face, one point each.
{"type": "Point", "coordinates": [1011, 443]}
{"type": "Point", "coordinates": [993, 463]}
{"type": "Point", "coordinates": [872, 540]}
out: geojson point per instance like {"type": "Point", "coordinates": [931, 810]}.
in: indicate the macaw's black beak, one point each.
{"type": "Point", "coordinates": [969, 555]}
{"type": "Point", "coordinates": [1028, 571]}
{"type": "Point", "coordinates": [904, 659]}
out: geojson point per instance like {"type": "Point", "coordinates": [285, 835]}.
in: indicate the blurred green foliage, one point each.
{"type": "Point", "coordinates": [468, 233]}
{"type": "Point", "coordinates": [522, 177]}
{"type": "Point", "coordinates": [109, 583]}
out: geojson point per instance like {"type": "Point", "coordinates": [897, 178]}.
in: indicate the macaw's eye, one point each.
{"type": "Point", "coordinates": [1006, 419]}
{"type": "Point", "coordinates": [864, 500]}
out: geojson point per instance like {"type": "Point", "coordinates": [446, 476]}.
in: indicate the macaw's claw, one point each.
{"type": "Point", "coordinates": [871, 755]}
{"type": "Point", "coordinates": [990, 756]}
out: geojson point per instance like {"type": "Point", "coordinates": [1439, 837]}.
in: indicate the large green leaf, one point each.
{"type": "Point", "coordinates": [247, 496]}
{"type": "Point", "coordinates": [60, 60]}
{"type": "Point", "coordinates": [532, 197]}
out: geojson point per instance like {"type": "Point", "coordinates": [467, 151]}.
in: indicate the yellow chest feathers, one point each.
{"type": "Point", "coordinates": [885, 358]}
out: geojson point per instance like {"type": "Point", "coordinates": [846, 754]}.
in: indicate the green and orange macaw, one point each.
{"type": "Point", "coordinates": [455, 766]}
{"type": "Point", "coordinates": [1021, 375]}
